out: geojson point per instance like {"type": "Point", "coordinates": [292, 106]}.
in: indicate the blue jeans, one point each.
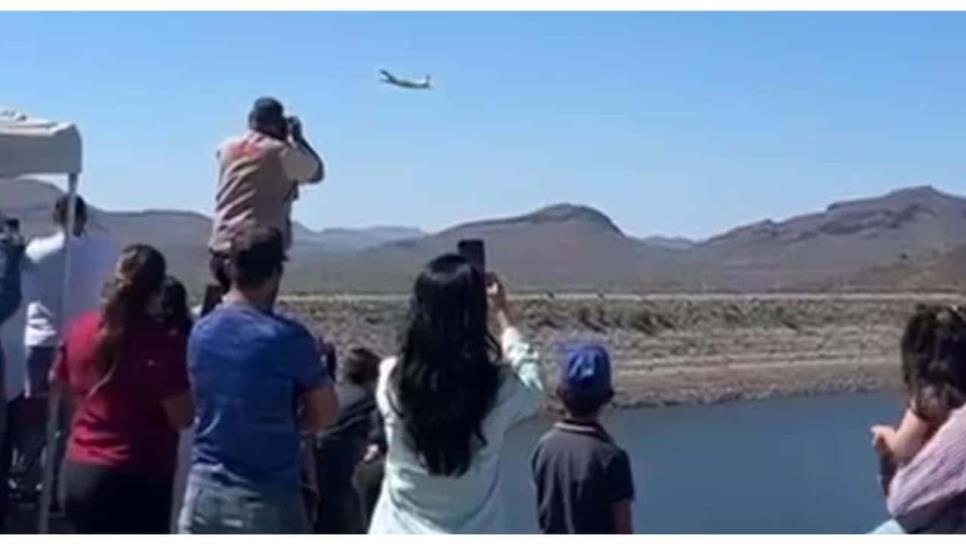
{"type": "Point", "coordinates": [214, 508]}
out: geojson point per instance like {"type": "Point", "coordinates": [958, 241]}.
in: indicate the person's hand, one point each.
{"type": "Point", "coordinates": [882, 436]}
{"type": "Point", "coordinates": [372, 453]}
{"type": "Point", "coordinates": [326, 354]}
{"type": "Point", "coordinates": [497, 300]}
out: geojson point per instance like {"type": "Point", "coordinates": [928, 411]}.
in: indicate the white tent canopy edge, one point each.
{"type": "Point", "coordinates": [31, 145]}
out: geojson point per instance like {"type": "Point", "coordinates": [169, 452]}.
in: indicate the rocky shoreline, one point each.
{"type": "Point", "coordinates": [681, 350]}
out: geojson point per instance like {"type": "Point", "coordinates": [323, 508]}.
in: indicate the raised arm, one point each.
{"type": "Point", "coordinates": [525, 390]}
{"type": "Point", "coordinates": [301, 162]}
{"type": "Point", "coordinates": [525, 362]}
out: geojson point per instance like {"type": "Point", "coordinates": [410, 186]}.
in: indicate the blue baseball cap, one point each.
{"type": "Point", "coordinates": [585, 371]}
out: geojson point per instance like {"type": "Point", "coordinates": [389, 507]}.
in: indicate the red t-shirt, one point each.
{"type": "Point", "coordinates": [122, 424]}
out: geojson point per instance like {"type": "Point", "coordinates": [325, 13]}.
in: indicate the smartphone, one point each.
{"type": "Point", "coordinates": [475, 252]}
{"type": "Point", "coordinates": [213, 294]}
{"type": "Point", "coordinates": [12, 225]}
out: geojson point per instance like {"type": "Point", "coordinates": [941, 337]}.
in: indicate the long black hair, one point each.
{"type": "Point", "coordinates": [447, 377]}
{"type": "Point", "coordinates": [934, 361]}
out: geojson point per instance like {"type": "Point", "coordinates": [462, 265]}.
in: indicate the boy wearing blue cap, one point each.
{"type": "Point", "coordinates": [583, 479]}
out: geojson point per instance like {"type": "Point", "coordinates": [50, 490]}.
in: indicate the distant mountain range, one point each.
{"type": "Point", "coordinates": [875, 242]}
{"type": "Point", "coordinates": [31, 201]}
{"type": "Point", "coordinates": [669, 242]}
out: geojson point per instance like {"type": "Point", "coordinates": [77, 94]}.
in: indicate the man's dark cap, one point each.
{"type": "Point", "coordinates": [267, 111]}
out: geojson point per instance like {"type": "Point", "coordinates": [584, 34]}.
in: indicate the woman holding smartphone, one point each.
{"type": "Point", "coordinates": [448, 400]}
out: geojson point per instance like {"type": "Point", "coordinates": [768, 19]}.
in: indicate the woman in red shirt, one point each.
{"type": "Point", "coordinates": [126, 375]}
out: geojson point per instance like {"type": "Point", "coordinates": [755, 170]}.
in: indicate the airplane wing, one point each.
{"type": "Point", "coordinates": [386, 74]}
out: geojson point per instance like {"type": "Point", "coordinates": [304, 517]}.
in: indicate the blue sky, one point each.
{"type": "Point", "coordinates": [670, 123]}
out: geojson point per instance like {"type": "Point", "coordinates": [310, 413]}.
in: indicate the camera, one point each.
{"type": "Point", "coordinates": [10, 233]}
{"type": "Point", "coordinates": [11, 226]}
{"type": "Point", "coordinates": [293, 126]}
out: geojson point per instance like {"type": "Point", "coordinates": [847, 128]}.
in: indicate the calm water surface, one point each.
{"type": "Point", "coordinates": [778, 466]}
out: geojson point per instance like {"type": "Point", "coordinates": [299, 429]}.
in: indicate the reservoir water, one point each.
{"type": "Point", "coordinates": [799, 465]}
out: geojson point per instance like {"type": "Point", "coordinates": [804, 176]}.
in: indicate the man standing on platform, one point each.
{"type": "Point", "coordinates": [259, 177]}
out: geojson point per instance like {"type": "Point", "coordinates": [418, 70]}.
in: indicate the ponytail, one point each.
{"type": "Point", "coordinates": [139, 275]}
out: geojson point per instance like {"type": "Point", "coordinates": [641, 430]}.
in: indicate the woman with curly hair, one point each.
{"type": "Point", "coordinates": [924, 460]}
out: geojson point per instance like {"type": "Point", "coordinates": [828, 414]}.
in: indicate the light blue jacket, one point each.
{"type": "Point", "coordinates": [414, 501]}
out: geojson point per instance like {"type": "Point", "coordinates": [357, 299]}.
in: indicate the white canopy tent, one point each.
{"type": "Point", "coordinates": [37, 146]}
{"type": "Point", "coordinates": [31, 145]}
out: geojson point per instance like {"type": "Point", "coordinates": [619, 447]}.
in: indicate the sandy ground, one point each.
{"type": "Point", "coordinates": [682, 349]}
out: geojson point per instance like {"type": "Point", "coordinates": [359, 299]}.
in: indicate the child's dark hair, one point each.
{"type": "Point", "coordinates": [361, 366]}
{"type": "Point", "coordinates": [174, 305]}
{"type": "Point", "coordinates": [582, 405]}
{"type": "Point", "coordinates": [934, 361]}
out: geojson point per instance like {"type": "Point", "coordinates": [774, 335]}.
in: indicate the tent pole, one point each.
{"type": "Point", "coordinates": [54, 396]}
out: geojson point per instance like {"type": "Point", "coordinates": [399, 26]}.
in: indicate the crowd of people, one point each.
{"type": "Point", "coordinates": [288, 437]}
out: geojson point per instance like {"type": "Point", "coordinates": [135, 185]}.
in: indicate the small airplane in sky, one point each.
{"type": "Point", "coordinates": [405, 83]}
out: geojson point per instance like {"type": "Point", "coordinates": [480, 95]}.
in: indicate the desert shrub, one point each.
{"type": "Point", "coordinates": [786, 319]}
{"type": "Point", "coordinates": [617, 319]}
{"type": "Point", "coordinates": [543, 320]}
{"type": "Point", "coordinates": [648, 322]}
{"type": "Point", "coordinates": [733, 315]}
{"type": "Point", "coordinates": [586, 319]}
{"type": "Point", "coordinates": [603, 320]}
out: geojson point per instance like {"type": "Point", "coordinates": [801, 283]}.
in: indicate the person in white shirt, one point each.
{"type": "Point", "coordinates": [91, 266]}
{"type": "Point", "coordinates": [448, 400]}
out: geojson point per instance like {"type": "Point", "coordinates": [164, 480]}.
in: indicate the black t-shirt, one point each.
{"type": "Point", "coordinates": [580, 473]}
{"type": "Point", "coordinates": [341, 446]}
